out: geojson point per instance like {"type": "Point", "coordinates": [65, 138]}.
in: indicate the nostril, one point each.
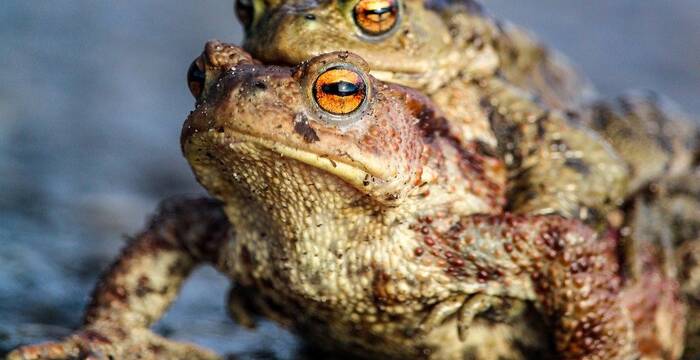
{"type": "Point", "coordinates": [259, 84]}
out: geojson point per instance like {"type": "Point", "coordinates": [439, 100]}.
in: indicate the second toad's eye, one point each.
{"type": "Point", "coordinates": [376, 17]}
{"type": "Point", "coordinates": [195, 78]}
{"type": "Point", "coordinates": [339, 91]}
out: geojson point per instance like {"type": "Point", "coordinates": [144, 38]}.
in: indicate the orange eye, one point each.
{"type": "Point", "coordinates": [339, 91]}
{"type": "Point", "coordinates": [376, 17]}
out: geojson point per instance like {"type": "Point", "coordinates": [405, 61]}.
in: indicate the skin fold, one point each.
{"type": "Point", "coordinates": [379, 232]}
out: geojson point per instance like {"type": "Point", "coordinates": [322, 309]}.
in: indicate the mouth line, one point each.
{"type": "Point", "coordinates": [354, 175]}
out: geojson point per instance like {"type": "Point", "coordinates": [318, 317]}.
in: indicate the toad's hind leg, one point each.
{"type": "Point", "coordinates": [649, 132]}
{"type": "Point", "coordinates": [555, 166]}
{"type": "Point", "coordinates": [674, 209]}
{"type": "Point", "coordinates": [99, 344]}
{"type": "Point", "coordinates": [140, 286]}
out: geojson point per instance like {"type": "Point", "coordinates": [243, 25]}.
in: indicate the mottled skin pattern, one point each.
{"type": "Point", "coordinates": [446, 48]}
{"type": "Point", "coordinates": [660, 145]}
{"type": "Point", "coordinates": [370, 294]}
{"type": "Point", "coordinates": [467, 61]}
{"type": "Point", "coordinates": [667, 213]}
{"type": "Point", "coordinates": [381, 235]}
{"type": "Point", "coordinates": [649, 132]}
{"type": "Point", "coordinates": [434, 42]}
{"type": "Point", "coordinates": [462, 59]}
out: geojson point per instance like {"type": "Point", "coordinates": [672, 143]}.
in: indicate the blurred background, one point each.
{"type": "Point", "coordinates": [92, 98]}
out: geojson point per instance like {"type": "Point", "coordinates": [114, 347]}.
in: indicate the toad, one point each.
{"type": "Point", "coordinates": [502, 85]}
{"type": "Point", "coordinates": [358, 217]}
{"type": "Point", "coordinates": [419, 43]}
{"type": "Point", "coordinates": [452, 52]}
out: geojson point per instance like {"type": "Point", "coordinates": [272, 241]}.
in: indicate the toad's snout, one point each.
{"type": "Point", "coordinates": [225, 56]}
{"type": "Point", "coordinates": [217, 58]}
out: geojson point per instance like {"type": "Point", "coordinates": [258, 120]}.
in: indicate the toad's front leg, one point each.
{"type": "Point", "coordinates": [558, 263]}
{"type": "Point", "coordinates": [140, 286]}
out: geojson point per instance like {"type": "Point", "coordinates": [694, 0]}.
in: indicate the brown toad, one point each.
{"type": "Point", "coordinates": [354, 213]}
{"type": "Point", "coordinates": [500, 83]}
{"type": "Point", "coordinates": [455, 54]}
{"type": "Point", "coordinates": [420, 43]}
{"type": "Point", "coordinates": [490, 77]}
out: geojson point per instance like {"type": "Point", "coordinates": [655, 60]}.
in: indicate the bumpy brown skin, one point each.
{"type": "Point", "coordinates": [360, 231]}
{"type": "Point", "coordinates": [398, 239]}
{"type": "Point", "coordinates": [667, 215]}
{"type": "Point", "coordinates": [379, 233]}
{"type": "Point", "coordinates": [446, 47]}
{"type": "Point", "coordinates": [660, 145]}
{"type": "Point", "coordinates": [434, 42]}
{"type": "Point", "coordinates": [649, 132]}
{"type": "Point", "coordinates": [475, 70]}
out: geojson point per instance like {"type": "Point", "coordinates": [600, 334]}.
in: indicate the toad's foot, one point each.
{"type": "Point", "coordinates": [465, 307]}
{"type": "Point", "coordinates": [573, 275]}
{"type": "Point", "coordinates": [93, 344]}
{"type": "Point", "coordinates": [140, 286]}
{"type": "Point", "coordinates": [111, 342]}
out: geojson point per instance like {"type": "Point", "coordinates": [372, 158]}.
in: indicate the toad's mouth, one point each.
{"type": "Point", "coordinates": [360, 175]}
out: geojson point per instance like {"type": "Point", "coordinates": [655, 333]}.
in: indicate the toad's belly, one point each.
{"type": "Point", "coordinates": [383, 335]}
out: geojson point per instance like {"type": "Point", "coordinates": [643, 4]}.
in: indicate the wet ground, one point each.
{"type": "Point", "coordinates": [92, 98]}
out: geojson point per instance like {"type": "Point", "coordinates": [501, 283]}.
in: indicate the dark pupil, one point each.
{"type": "Point", "coordinates": [340, 88]}
{"type": "Point", "coordinates": [380, 11]}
